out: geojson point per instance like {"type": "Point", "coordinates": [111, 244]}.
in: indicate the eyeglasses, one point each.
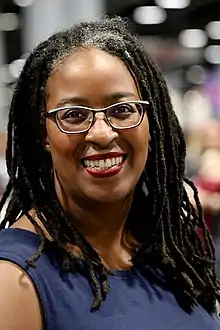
{"type": "Point", "coordinates": [79, 119]}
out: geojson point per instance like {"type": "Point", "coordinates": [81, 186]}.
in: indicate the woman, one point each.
{"type": "Point", "coordinates": [102, 234]}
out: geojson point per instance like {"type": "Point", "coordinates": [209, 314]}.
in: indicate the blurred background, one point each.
{"type": "Point", "coordinates": [183, 38]}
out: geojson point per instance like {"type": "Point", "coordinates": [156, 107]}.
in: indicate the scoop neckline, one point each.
{"type": "Point", "coordinates": [116, 273]}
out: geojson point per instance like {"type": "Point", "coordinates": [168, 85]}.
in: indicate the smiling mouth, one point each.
{"type": "Point", "coordinates": [106, 167]}
{"type": "Point", "coordinates": [103, 164]}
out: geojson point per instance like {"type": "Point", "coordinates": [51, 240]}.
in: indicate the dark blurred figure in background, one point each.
{"type": "Point", "coordinates": [207, 180]}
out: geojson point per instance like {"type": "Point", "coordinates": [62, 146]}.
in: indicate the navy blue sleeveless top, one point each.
{"type": "Point", "coordinates": [133, 303]}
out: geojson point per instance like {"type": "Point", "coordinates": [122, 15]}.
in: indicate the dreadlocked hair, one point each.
{"type": "Point", "coordinates": [167, 228]}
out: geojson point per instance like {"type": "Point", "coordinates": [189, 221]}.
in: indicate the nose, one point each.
{"type": "Point", "coordinates": [101, 133]}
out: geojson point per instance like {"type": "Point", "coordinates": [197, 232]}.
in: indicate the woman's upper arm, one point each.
{"type": "Point", "coordinates": [19, 305]}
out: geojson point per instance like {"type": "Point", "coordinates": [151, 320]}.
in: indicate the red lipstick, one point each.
{"type": "Point", "coordinates": [102, 171]}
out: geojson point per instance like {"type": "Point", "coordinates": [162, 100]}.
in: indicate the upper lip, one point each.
{"type": "Point", "coordinates": [104, 156]}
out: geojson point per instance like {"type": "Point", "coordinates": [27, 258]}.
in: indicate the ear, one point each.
{"type": "Point", "coordinates": [46, 144]}
{"type": "Point", "coordinates": [47, 147]}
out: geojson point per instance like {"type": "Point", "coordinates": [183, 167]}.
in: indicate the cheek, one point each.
{"type": "Point", "coordinates": [138, 138]}
{"type": "Point", "coordinates": [140, 143]}
{"type": "Point", "coordinates": [62, 146]}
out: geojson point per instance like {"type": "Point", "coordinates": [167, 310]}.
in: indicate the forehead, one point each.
{"type": "Point", "coordinates": [89, 73]}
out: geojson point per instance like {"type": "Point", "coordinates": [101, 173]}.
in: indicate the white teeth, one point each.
{"type": "Point", "coordinates": [108, 163]}
{"type": "Point", "coordinates": [92, 163]}
{"type": "Point", "coordinates": [103, 163]}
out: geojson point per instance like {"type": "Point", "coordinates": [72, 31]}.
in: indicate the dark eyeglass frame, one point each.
{"type": "Point", "coordinates": [52, 113]}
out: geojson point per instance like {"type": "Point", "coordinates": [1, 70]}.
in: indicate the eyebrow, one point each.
{"type": "Point", "coordinates": [111, 98]}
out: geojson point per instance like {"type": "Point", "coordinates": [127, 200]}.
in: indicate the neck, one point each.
{"type": "Point", "coordinates": [103, 226]}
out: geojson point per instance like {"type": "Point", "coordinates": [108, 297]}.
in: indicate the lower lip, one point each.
{"type": "Point", "coordinates": [105, 173]}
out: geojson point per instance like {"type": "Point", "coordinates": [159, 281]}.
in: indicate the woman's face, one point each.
{"type": "Point", "coordinates": [95, 79]}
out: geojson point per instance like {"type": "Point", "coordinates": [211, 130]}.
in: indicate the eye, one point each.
{"type": "Point", "coordinates": [121, 110]}
{"type": "Point", "coordinates": [73, 115]}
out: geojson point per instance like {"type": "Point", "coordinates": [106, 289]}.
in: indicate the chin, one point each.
{"type": "Point", "coordinates": [108, 196]}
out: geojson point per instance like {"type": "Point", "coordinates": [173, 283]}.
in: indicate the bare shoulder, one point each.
{"type": "Point", "coordinates": [19, 305]}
